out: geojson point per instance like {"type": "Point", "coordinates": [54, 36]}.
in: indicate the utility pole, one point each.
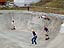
{"type": "Point", "coordinates": [28, 8]}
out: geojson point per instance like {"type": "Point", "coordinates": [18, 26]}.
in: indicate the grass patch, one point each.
{"type": "Point", "coordinates": [38, 8]}
{"type": "Point", "coordinates": [48, 10]}
{"type": "Point", "coordinates": [41, 3]}
{"type": "Point", "coordinates": [56, 4]}
{"type": "Point", "coordinates": [15, 8]}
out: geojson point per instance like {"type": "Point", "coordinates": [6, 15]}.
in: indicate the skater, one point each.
{"type": "Point", "coordinates": [34, 37]}
{"type": "Point", "coordinates": [46, 35]}
{"type": "Point", "coordinates": [12, 21]}
{"type": "Point", "coordinates": [13, 26]}
{"type": "Point", "coordinates": [45, 17]}
{"type": "Point", "coordinates": [46, 29]}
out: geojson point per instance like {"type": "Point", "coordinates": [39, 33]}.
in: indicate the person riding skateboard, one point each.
{"type": "Point", "coordinates": [34, 37]}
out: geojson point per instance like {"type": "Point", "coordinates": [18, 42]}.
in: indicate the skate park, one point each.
{"type": "Point", "coordinates": [25, 21]}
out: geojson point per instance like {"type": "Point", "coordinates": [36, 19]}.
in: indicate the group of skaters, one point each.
{"type": "Point", "coordinates": [45, 29]}
{"type": "Point", "coordinates": [35, 35]}
{"type": "Point", "coordinates": [45, 17]}
{"type": "Point", "coordinates": [33, 32]}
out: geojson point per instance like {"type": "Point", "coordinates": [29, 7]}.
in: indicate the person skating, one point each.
{"type": "Point", "coordinates": [45, 17]}
{"type": "Point", "coordinates": [46, 29]}
{"type": "Point", "coordinates": [34, 37]}
{"type": "Point", "coordinates": [46, 35]}
{"type": "Point", "coordinates": [13, 26]}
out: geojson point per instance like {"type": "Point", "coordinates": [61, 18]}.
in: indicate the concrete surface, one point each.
{"type": "Point", "coordinates": [62, 28]}
{"type": "Point", "coordinates": [58, 42]}
{"type": "Point", "coordinates": [26, 21]}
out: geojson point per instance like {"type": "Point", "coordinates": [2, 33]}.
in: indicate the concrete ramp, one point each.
{"type": "Point", "coordinates": [62, 28]}
{"type": "Point", "coordinates": [58, 42]}
{"type": "Point", "coordinates": [25, 21]}
{"type": "Point", "coordinates": [22, 21]}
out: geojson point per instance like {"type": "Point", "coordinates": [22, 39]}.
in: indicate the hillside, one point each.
{"type": "Point", "coordinates": [51, 3]}
{"type": "Point", "coordinates": [49, 6]}
{"type": "Point", "coordinates": [56, 4]}
{"type": "Point", "coordinates": [41, 3]}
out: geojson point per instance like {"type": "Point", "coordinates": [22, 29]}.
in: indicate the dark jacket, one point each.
{"type": "Point", "coordinates": [46, 29]}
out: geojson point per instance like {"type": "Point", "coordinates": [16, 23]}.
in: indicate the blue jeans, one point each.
{"type": "Point", "coordinates": [34, 40]}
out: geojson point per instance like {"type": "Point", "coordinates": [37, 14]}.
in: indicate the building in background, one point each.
{"type": "Point", "coordinates": [22, 3]}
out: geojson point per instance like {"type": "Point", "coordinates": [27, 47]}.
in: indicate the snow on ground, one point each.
{"type": "Point", "coordinates": [24, 22]}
